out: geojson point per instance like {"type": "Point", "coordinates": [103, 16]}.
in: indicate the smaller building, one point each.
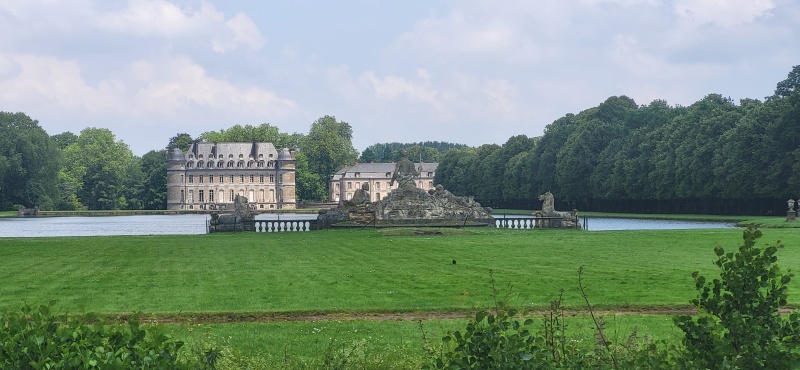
{"type": "Point", "coordinates": [378, 175]}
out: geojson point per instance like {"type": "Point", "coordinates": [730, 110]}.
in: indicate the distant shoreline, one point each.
{"type": "Point", "coordinates": [145, 212]}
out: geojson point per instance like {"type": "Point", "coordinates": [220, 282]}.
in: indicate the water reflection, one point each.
{"type": "Point", "coordinates": [103, 225]}
{"type": "Point", "coordinates": [196, 224]}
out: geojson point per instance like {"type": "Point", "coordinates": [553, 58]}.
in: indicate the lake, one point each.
{"type": "Point", "coordinates": [196, 224]}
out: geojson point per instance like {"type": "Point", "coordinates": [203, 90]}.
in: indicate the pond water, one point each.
{"type": "Point", "coordinates": [603, 224]}
{"type": "Point", "coordinates": [196, 224]}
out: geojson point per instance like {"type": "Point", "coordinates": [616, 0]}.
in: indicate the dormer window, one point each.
{"type": "Point", "coordinates": [388, 174]}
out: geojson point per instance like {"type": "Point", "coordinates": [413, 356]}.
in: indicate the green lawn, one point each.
{"type": "Point", "coordinates": [393, 342]}
{"type": "Point", "coordinates": [361, 271]}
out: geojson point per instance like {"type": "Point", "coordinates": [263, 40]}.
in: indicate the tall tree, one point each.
{"type": "Point", "coordinates": [328, 147]}
{"type": "Point", "coordinates": [264, 133]}
{"type": "Point", "coordinates": [181, 141]}
{"type": "Point", "coordinates": [309, 184]}
{"type": "Point", "coordinates": [29, 161]}
{"type": "Point", "coordinates": [102, 166]}
{"type": "Point", "coordinates": [790, 85]}
{"type": "Point", "coordinates": [154, 189]}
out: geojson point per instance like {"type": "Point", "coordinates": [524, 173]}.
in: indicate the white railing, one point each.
{"type": "Point", "coordinates": [265, 226]}
{"type": "Point", "coordinates": [515, 223]}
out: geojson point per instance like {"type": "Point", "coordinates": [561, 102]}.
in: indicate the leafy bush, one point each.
{"type": "Point", "coordinates": [34, 338]}
{"type": "Point", "coordinates": [739, 325]}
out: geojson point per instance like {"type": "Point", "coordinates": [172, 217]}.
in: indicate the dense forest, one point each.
{"type": "Point", "coordinates": [714, 156]}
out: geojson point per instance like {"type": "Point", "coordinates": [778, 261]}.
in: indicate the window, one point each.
{"type": "Point", "coordinates": [200, 164]}
{"type": "Point", "coordinates": [357, 174]}
{"type": "Point", "coordinates": [388, 185]}
{"type": "Point", "coordinates": [189, 164]}
{"type": "Point", "coordinates": [241, 179]}
{"type": "Point", "coordinates": [183, 180]}
{"type": "Point", "coordinates": [200, 179]}
{"type": "Point", "coordinates": [377, 186]}
{"type": "Point", "coordinates": [377, 196]}
{"type": "Point", "coordinates": [388, 174]}
{"type": "Point", "coordinates": [230, 164]}
{"type": "Point", "coordinates": [191, 179]}
{"type": "Point", "coordinates": [191, 196]}
{"type": "Point", "coordinates": [231, 195]}
{"type": "Point", "coordinates": [349, 186]}
{"type": "Point", "coordinates": [221, 179]}
{"type": "Point", "coordinates": [271, 178]}
{"type": "Point", "coordinates": [211, 196]}
{"type": "Point", "coordinates": [358, 185]}
{"type": "Point", "coordinates": [211, 179]}
{"type": "Point", "coordinates": [230, 179]}
{"type": "Point", "coordinates": [337, 186]}
{"type": "Point", "coordinates": [430, 184]}
{"type": "Point", "coordinates": [430, 174]}
{"type": "Point", "coordinates": [200, 196]}
{"type": "Point", "coordinates": [260, 179]}
{"type": "Point", "coordinates": [252, 177]}
{"type": "Point", "coordinates": [183, 197]}
{"type": "Point", "coordinates": [240, 164]}
{"type": "Point", "coordinates": [280, 179]}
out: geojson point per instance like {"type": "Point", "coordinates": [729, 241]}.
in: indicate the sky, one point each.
{"type": "Point", "coordinates": [461, 71]}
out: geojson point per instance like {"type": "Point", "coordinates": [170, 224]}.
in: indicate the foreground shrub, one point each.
{"type": "Point", "coordinates": [738, 324]}
{"type": "Point", "coordinates": [34, 338]}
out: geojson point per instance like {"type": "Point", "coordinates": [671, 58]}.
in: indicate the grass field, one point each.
{"type": "Point", "coordinates": [358, 274]}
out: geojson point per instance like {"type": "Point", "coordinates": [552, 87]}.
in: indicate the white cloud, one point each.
{"type": "Point", "coordinates": [726, 13]}
{"type": "Point", "coordinates": [178, 85]}
{"type": "Point", "coordinates": [168, 87]}
{"type": "Point", "coordinates": [59, 84]}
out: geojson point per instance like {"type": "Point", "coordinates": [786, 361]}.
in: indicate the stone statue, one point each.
{"type": "Point", "coordinates": [360, 196]}
{"type": "Point", "coordinates": [404, 173]}
{"type": "Point", "coordinates": [233, 222]}
{"type": "Point", "coordinates": [568, 219]}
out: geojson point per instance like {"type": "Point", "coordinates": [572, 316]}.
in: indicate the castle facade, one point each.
{"type": "Point", "coordinates": [344, 182]}
{"type": "Point", "coordinates": [209, 176]}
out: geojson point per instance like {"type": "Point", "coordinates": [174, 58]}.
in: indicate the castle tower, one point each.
{"type": "Point", "coordinates": [285, 168]}
{"type": "Point", "coordinates": [176, 170]}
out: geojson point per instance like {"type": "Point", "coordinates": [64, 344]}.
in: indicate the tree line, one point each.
{"type": "Point", "coordinates": [93, 170]}
{"type": "Point", "coordinates": [714, 156]}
